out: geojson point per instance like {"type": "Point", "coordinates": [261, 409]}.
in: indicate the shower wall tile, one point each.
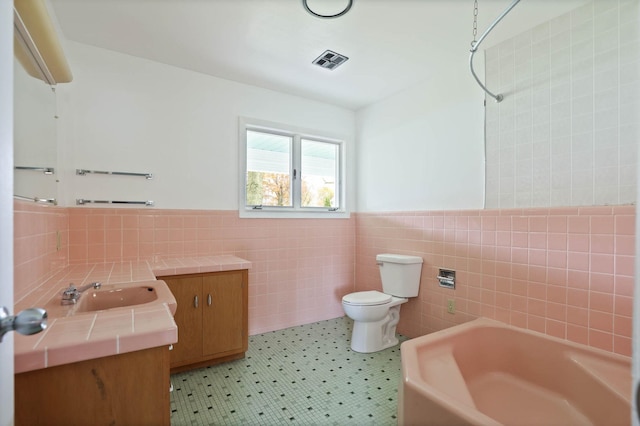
{"type": "Point", "coordinates": [566, 132]}
{"type": "Point", "coordinates": [567, 272]}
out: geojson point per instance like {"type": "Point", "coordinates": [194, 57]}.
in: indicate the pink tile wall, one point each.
{"type": "Point", "coordinates": [35, 252]}
{"type": "Point", "coordinates": [566, 272]}
{"type": "Point", "coordinates": [301, 268]}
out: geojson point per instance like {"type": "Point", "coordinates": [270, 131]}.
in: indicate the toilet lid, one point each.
{"type": "Point", "coordinates": [365, 298]}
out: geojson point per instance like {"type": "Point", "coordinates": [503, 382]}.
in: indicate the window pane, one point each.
{"type": "Point", "coordinates": [268, 169]}
{"type": "Point", "coordinates": [319, 174]}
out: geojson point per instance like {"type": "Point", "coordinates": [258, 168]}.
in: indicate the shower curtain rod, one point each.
{"type": "Point", "coordinates": [475, 45]}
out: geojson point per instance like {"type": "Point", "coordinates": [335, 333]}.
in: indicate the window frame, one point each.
{"type": "Point", "coordinates": [296, 210]}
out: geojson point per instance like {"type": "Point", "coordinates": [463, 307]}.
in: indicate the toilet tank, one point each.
{"type": "Point", "coordinates": [400, 274]}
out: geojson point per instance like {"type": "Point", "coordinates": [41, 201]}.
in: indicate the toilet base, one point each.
{"type": "Point", "coordinates": [368, 337]}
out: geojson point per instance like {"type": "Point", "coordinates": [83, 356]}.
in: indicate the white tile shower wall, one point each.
{"type": "Point", "coordinates": [566, 133]}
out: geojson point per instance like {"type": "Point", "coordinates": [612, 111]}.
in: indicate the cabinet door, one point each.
{"type": "Point", "coordinates": [223, 322]}
{"type": "Point", "coordinates": [126, 389]}
{"type": "Point", "coordinates": [188, 317]}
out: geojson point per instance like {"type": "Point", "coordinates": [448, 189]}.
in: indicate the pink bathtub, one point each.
{"type": "Point", "coordinates": [486, 373]}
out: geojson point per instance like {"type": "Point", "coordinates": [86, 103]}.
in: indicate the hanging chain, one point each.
{"type": "Point", "coordinates": [475, 22]}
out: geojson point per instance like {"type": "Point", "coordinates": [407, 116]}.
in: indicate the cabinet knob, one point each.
{"type": "Point", "coordinates": [195, 301]}
{"type": "Point", "coordinates": [208, 300]}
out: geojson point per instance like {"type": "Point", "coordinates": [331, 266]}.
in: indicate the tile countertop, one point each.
{"type": "Point", "coordinates": [77, 337]}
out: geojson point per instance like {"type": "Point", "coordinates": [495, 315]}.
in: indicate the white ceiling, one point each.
{"type": "Point", "coordinates": [392, 44]}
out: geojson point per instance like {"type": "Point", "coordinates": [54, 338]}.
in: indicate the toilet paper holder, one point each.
{"type": "Point", "coordinates": [447, 278]}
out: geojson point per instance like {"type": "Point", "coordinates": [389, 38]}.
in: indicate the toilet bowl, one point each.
{"type": "Point", "coordinates": [376, 314]}
{"type": "Point", "coordinates": [375, 317]}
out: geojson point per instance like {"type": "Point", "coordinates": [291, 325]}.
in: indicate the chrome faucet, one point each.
{"type": "Point", "coordinates": [72, 294]}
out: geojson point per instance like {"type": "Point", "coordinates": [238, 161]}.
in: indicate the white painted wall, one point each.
{"type": "Point", "coordinates": [420, 149]}
{"type": "Point", "coordinates": [423, 149]}
{"type": "Point", "coordinates": [123, 113]}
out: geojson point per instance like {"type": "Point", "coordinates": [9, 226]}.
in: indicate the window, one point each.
{"type": "Point", "coordinates": [289, 173]}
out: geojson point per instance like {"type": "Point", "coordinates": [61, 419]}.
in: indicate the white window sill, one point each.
{"type": "Point", "coordinates": [271, 214]}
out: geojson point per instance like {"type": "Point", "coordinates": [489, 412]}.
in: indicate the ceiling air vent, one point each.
{"type": "Point", "coordinates": [330, 60]}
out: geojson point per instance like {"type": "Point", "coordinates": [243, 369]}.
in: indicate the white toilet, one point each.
{"type": "Point", "coordinates": [374, 314]}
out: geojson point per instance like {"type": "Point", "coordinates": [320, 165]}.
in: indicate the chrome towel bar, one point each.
{"type": "Point", "coordinates": [82, 201]}
{"type": "Point", "coordinates": [37, 199]}
{"type": "Point", "coordinates": [45, 170]}
{"type": "Point", "coordinates": [83, 172]}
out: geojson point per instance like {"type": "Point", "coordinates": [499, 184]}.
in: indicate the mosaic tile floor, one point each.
{"type": "Point", "coordinates": [304, 375]}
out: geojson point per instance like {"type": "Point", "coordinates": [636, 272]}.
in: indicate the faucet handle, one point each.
{"type": "Point", "coordinates": [70, 290]}
{"type": "Point", "coordinates": [70, 295]}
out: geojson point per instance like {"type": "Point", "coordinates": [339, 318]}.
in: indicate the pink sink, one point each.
{"type": "Point", "coordinates": [110, 297]}
{"type": "Point", "coordinates": [114, 297]}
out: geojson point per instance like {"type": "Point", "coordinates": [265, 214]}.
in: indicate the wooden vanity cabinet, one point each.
{"type": "Point", "coordinates": [212, 318]}
{"type": "Point", "coordinates": [126, 389]}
